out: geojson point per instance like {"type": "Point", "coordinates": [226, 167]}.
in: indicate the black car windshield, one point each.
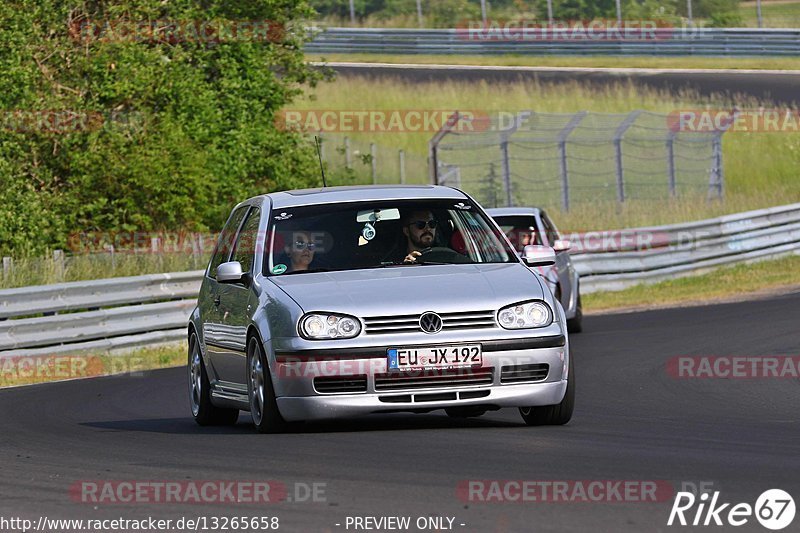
{"type": "Point", "coordinates": [362, 235]}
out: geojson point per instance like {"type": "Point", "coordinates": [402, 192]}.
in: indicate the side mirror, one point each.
{"type": "Point", "coordinates": [538, 256]}
{"type": "Point", "coordinates": [561, 245]}
{"type": "Point", "coordinates": [230, 272]}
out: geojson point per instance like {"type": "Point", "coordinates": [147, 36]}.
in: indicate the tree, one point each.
{"type": "Point", "coordinates": [144, 115]}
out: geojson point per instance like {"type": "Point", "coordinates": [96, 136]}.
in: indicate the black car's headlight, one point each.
{"type": "Point", "coordinates": [534, 314]}
{"type": "Point", "coordinates": [317, 326]}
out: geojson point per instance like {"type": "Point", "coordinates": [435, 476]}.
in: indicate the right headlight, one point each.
{"type": "Point", "coordinates": [535, 314]}
{"type": "Point", "coordinates": [315, 326]}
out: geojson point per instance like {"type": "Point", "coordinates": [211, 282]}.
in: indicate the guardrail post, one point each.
{"type": "Point", "coordinates": [402, 155]}
{"type": "Point", "coordinates": [373, 160]}
{"type": "Point", "coordinates": [621, 129]}
{"type": "Point", "coordinates": [562, 152]}
{"type": "Point", "coordinates": [8, 266]}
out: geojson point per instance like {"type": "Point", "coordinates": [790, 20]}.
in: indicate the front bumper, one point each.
{"type": "Point", "coordinates": [298, 399]}
{"type": "Point", "coordinates": [344, 406]}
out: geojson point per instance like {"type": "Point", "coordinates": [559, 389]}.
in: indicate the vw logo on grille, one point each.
{"type": "Point", "coordinates": [430, 322]}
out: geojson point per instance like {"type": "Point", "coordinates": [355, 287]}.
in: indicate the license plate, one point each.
{"type": "Point", "coordinates": [423, 357]}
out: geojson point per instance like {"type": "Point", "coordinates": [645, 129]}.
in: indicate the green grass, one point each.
{"type": "Point", "coordinates": [737, 63]}
{"type": "Point", "coordinates": [38, 271]}
{"type": "Point", "coordinates": [722, 283]}
{"type": "Point", "coordinates": [760, 168]}
{"type": "Point", "coordinates": [774, 14]}
{"type": "Point", "coordinates": [16, 371]}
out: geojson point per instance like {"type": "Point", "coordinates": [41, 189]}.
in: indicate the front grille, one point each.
{"type": "Point", "coordinates": [378, 325]}
{"type": "Point", "coordinates": [333, 384]}
{"type": "Point", "coordinates": [524, 373]}
{"type": "Point", "coordinates": [459, 377]}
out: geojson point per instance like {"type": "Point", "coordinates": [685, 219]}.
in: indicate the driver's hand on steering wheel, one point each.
{"type": "Point", "coordinates": [412, 257]}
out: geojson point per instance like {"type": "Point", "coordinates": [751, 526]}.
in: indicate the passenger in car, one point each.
{"type": "Point", "coordinates": [300, 249]}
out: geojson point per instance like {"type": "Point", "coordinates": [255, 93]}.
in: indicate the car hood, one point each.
{"type": "Point", "coordinates": [412, 289]}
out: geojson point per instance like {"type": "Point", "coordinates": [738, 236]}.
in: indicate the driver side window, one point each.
{"type": "Point", "coordinates": [245, 248]}
{"type": "Point", "coordinates": [225, 243]}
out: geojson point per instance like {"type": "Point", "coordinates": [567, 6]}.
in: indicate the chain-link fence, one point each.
{"type": "Point", "coordinates": [357, 161]}
{"type": "Point", "coordinates": [549, 159]}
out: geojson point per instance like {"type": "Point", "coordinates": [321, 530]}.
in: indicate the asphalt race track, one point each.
{"type": "Point", "coordinates": [632, 422]}
{"type": "Point", "coordinates": [778, 87]}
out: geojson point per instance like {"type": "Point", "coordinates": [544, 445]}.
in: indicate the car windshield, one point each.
{"type": "Point", "coordinates": [520, 230]}
{"type": "Point", "coordinates": [381, 234]}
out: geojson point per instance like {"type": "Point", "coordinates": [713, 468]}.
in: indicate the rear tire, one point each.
{"type": "Point", "coordinates": [553, 415]}
{"type": "Point", "coordinates": [263, 407]}
{"type": "Point", "coordinates": [204, 412]}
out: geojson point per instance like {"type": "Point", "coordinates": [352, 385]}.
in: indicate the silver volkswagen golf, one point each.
{"type": "Point", "coordinates": [344, 301]}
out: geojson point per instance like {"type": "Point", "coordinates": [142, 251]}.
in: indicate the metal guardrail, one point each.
{"type": "Point", "coordinates": [153, 309]}
{"type": "Point", "coordinates": [658, 253]}
{"type": "Point", "coordinates": [71, 296]}
{"type": "Point", "coordinates": [678, 41]}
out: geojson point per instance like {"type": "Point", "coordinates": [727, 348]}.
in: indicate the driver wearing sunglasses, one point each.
{"type": "Point", "coordinates": [419, 227]}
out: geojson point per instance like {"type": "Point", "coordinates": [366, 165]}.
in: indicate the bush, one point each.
{"type": "Point", "coordinates": [170, 132]}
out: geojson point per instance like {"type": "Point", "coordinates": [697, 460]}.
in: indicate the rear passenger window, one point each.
{"type": "Point", "coordinates": [225, 243]}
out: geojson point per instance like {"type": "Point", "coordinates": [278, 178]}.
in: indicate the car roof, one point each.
{"type": "Point", "coordinates": [359, 193]}
{"type": "Point", "coordinates": [512, 211]}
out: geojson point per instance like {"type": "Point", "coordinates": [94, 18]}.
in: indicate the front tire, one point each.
{"type": "Point", "coordinates": [263, 407]}
{"type": "Point", "coordinates": [204, 412]}
{"type": "Point", "coordinates": [575, 325]}
{"type": "Point", "coordinates": [553, 415]}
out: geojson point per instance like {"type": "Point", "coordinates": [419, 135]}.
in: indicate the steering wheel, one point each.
{"type": "Point", "coordinates": [442, 254]}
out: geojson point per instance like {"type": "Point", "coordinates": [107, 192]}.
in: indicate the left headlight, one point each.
{"type": "Point", "coordinates": [317, 326]}
{"type": "Point", "coordinates": [535, 314]}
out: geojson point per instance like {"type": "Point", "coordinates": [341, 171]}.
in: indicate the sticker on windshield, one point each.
{"type": "Point", "coordinates": [279, 268]}
{"type": "Point", "coordinates": [462, 206]}
{"type": "Point", "coordinates": [368, 232]}
{"type": "Point", "coordinates": [283, 216]}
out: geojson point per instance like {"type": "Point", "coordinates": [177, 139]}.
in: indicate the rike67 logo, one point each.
{"type": "Point", "coordinates": [774, 509]}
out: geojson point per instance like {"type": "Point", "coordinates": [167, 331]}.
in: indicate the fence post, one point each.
{"type": "Point", "coordinates": [621, 129]}
{"type": "Point", "coordinates": [347, 162]}
{"type": "Point", "coordinates": [491, 186]}
{"type": "Point", "coordinates": [58, 262]}
{"type": "Point", "coordinates": [506, 171]}
{"type": "Point", "coordinates": [433, 146]}
{"type": "Point", "coordinates": [562, 151]}
{"type": "Point", "coordinates": [505, 136]}
{"type": "Point", "coordinates": [373, 160]}
{"type": "Point", "coordinates": [8, 266]}
{"type": "Point", "coordinates": [402, 155]}
{"type": "Point", "coordinates": [717, 179]}
{"type": "Point", "coordinates": [671, 164]}
{"type": "Point", "coordinates": [111, 251]}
